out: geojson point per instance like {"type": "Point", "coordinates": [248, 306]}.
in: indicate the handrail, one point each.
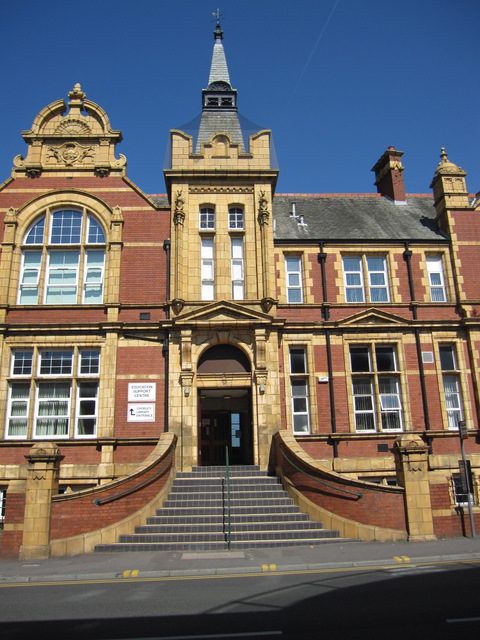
{"type": "Point", "coordinates": [99, 502]}
{"type": "Point", "coordinates": [229, 525]}
{"type": "Point", "coordinates": [352, 493]}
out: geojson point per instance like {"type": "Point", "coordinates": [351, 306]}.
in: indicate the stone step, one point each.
{"type": "Point", "coordinates": [254, 494]}
{"type": "Point", "coordinates": [221, 509]}
{"type": "Point", "coordinates": [223, 491]}
{"type": "Point", "coordinates": [220, 502]}
{"type": "Point", "coordinates": [220, 472]}
{"type": "Point", "coordinates": [220, 484]}
{"type": "Point", "coordinates": [235, 518]}
{"type": "Point", "coordinates": [221, 527]}
{"type": "Point", "coordinates": [215, 546]}
{"type": "Point", "coordinates": [218, 536]}
{"type": "Point", "coordinates": [195, 515]}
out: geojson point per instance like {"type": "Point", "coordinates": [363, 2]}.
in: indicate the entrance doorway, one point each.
{"type": "Point", "coordinates": [224, 423]}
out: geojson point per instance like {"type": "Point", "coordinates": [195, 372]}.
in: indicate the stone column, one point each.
{"type": "Point", "coordinates": [42, 482]}
{"type": "Point", "coordinates": [411, 459]}
{"type": "Point", "coordinates": [179, 259]}
{"type": "Point", "coordinates": [263, 220]}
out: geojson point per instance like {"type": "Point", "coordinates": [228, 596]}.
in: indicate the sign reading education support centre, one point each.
{"type": "Point", "coordinates": [140, 407]}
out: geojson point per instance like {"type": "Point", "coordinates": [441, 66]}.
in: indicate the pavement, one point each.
{"type": "Point", "coordinates": [165, 564]}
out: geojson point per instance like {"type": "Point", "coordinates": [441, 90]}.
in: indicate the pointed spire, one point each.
{"type": "Point", "coordinates": [219, 94]}
{"type": "Point", "coordinates": [218, 69]}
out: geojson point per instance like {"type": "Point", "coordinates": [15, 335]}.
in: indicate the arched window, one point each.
{"type": "Point", "coordinates": [63, 260]}
{"type": "Point", "coordinates": [223, 358]}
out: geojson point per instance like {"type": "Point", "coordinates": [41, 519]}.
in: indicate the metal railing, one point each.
{"type": "Point", "coordinates": [229, 520]}
{"type": "Point", "coordinates": [98, 502]}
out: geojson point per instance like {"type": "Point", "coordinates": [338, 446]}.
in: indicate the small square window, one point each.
{"type": "Point", "coordinates": [360, 359]}
{"type": "Point", "coordinates": [89, 363]}
{"type": "Point", "coordinates": [22, 363]}
{"type": "Point", "coordinates": [385, 359]}
{"type": "Point", "coordinates": [297, 361]}
{"type": "Point", "coordinates": [235, 218]}
{"type": "Point", "coordinates": [207, 218]}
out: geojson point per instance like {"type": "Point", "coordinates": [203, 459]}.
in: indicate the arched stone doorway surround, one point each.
{"type": "Point", "coordinates": [224, 349]}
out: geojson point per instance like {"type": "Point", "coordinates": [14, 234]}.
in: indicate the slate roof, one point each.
{"type": "Point", "coordinates": [161, 200]}
{"type": "Point", "coordinates": [355, 218]}
{"type": "Point", "coordinates": [213, 122]}
{"type": "Point", "coordinates": [218, 68]}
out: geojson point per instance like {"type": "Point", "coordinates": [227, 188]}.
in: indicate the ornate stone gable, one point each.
{"type": "Point", "coordinates": [80, 139]}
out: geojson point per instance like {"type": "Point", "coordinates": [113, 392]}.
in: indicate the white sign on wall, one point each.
{"type": "Point", "coordinates": [141, 412]}
{"type": "Point", "coordinates": [142, 391]}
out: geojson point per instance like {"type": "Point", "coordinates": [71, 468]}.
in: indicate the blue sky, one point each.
{"type": "Point", "coordinates": [337, 81]}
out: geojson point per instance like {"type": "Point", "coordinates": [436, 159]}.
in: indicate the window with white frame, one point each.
{"type": "Point", "coordinates": [451, 384]}
{"type": "Point", "coordinates": [207, 218]}
{"type": "Point", "coordinates": [372, 270]}
{"type": "Point", "coordinates": [53, 394]}
{"type": "Point", "coordinates": [299, 389]}
{"type": "Point", "coordinates": [235, 218]}
{"type": "Point", "coordinates": [436, 279]}
{"type": "Point", "coordinates": [376, 388]}
{"type": "Point", "coordinates": [63, 260]}
{"type": "Point", "coordinates": [238, 278]}
{"type": "Point", "coordinates": [207, 269]}
{"type": "Point", "coordinates": [293, 267]}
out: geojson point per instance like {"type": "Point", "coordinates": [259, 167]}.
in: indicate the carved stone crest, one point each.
{"type": "Point", "coordinates": [70, 153]}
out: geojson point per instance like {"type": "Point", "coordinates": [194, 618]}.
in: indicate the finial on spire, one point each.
{"type": "Point", "coordinates": [218, 33]}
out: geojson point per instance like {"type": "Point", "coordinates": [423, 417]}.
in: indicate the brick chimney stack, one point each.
{"type": "Point", "coordinates": [389, 176]}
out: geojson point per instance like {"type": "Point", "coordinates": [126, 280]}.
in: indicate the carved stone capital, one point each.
{"type": "Point", "coordinates": [261, 380]}
{"type": "Point", "coordinates": [186, 382]}
{"type": "Point", "coordinates": [178, 218]}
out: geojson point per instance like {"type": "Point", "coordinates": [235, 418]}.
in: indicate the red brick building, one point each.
{"type": "Point", "coordinates": [222, 314]}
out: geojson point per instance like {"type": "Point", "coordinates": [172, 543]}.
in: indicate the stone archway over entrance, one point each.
{"type": "Point", "coordinates": [225, 411]}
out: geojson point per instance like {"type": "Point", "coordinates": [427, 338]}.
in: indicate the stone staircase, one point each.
{"type": "Point", "coordinates": [194, 517]}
